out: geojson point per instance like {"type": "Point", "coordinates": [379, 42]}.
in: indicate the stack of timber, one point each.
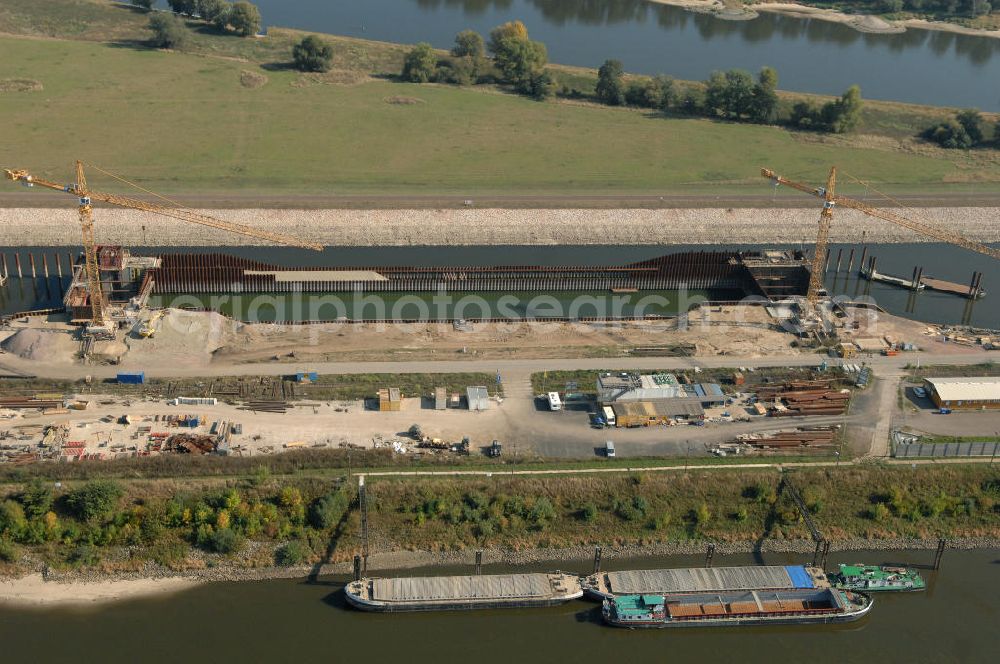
{"type": "Point", "coordinates": [266, 406]}
{"type": "Point", "coordinates": [21, 403]}
{"type": "Point", "coordinates": [190, 444]}
{"type": "Point", "coordinates": [817, 437]}
{"type": "Point", "coordinates": [805, 398]}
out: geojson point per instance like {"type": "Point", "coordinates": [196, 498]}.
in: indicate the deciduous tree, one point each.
{"type": "Point", "coordinates": [610, 85]}
{"type": "Point", "coordinates": [312, 54]}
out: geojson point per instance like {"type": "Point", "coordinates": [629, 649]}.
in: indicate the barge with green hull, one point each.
{"type": "Point", "coordinates": [877, 578]}
{"type": "Point", "coordinates": [736, 608]}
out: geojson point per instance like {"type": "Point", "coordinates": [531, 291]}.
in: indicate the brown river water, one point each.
{"type": "Point", "coordinates": [956, 620]}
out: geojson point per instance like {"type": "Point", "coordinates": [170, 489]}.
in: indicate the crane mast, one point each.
{"type": "Point", "coordinates": [831, 200]}
{"type": "Point", "coordinates": [82, 191]}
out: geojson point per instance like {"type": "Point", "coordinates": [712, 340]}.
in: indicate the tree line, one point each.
{"type": "Point", "coordinates": [511, 57]}
{"type": "Point", "coordinates": [957, 8]}
{"type": "Point", "coordinates": [514, 58]}
{"type": "Point", "coordinates": [169, 31]}
{"type": "Point", "coordinates": [966, 130]}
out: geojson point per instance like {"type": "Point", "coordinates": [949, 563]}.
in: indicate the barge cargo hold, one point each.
{"type": "Point", "coordinates": [875, 578]}
{"type": "Point", "coordinates": [736, 609]}
{"type": "Point", "coordinates": [444, 593]}
{"type": "Point", "coordinates": [604, 585]}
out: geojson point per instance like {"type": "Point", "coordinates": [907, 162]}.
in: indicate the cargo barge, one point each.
{"type": "Point", "coordinates": [450, 593]}
{"type": "Point", "coordinates": [877, 578]}
{"type": "Point", "coordinates": [606, 585]}
{"type": "Point", "coordinates": [736, 608]}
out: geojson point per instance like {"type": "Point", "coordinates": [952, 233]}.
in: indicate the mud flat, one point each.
{"type": "Point", "coordinates": [495, 226]}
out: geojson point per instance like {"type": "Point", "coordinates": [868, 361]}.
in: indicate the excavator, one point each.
{"type": "Point", "coordinates": [99, 323]}
{"type": "Point", "coordinates": [832, 200]}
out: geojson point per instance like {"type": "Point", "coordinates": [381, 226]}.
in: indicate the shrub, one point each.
{"type": "Point", "coordinates": [94, 500]}
{"type": "Point", "coordinates": [741, 514]}
{"type": "Point", "coordinates": [168, 31]}
{"type": "Point", "coordinates": [168, 553]}
{"type": "Point", "coordinates": [225, 541]}
{"type": "Point", "coordinates": [610, 87]}
{"type": "Point", "coordinates": [245, 19]}
{"type": "Point", "coordinates": [8, 552]}
{"type": "Point", "coordinates": [292, 553]}
{"type": "Point", "coordinates": [420, 64]}
{"type": "Point", "coordinates": [313, 54]}
{"type": "Point", "coordinates": [588, 513]}
{"type": "Point", "coordinates": [85, 554]}
{"type": "Point", "coordinates": [701, 515]}
{"type": "Point", "coordinates": [326, 512]}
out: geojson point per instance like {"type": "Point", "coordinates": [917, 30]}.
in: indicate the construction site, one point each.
{"type": "Point", "coordinates": [767, 303]}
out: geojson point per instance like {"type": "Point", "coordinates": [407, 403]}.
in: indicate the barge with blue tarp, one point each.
{"type": "Point", "coordinates": [736, 608]}
{"type": "Point", "coordinates": [603, 585]}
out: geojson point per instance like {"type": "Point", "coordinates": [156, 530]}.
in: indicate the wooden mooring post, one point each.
{"type": "Point", "coordinates": [31, 262]}
{"type": "Point", "coordinates": [357, 568]}
{"type": "Point", "coordinates": [850, 260]}
{"type": "Point", "coordinates": [817, 552]}
{"type": "Point", "coordinates": [17, 265]}
{"type": "Point", "coordinates": [826, 553]}
{"type": "Point", "coordinates": [840, 254]}
{"type": "Point", "coordinates": [55, 257]}
{"type": "Point", "coordinates": [597, 559]}
{"type": "Point", "coordinates": [479, 563]}
{"type": "Point", "coordinates": [709, 554]}
{"type": "Point", "coordinates": [942, 543]}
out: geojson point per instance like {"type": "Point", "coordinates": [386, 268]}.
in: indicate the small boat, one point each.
{"type": "Point", "coordinates": [736, 608]}
{"type": "Point", "coordinates": [875, 578]}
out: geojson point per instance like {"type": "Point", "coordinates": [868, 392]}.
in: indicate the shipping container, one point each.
{"type": "Point", "coordinates": [132, 377]}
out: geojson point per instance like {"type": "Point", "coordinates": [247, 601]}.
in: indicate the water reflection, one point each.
{"type": "Point", "coordinates": [978, 50]}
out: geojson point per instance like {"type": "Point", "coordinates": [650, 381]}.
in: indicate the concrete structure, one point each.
{"type": "Point", "coordinates": [390, 399]}
{"type": "Point", "coordinates": [964, 393]}
{"type": "Point", "coordinates": [477, 397]}
{"type": "Point", "coordinates": [626, 388]}
{"type": "Point", "coordinates": [440, 398]}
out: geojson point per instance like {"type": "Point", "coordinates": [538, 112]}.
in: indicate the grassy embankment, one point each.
{"type": "Point", "coordinates": [186, 524]}
{"type": "Point", "coordinates": [193, 122]}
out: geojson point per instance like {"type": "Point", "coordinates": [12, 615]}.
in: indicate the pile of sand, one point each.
{"type": "Point", "coordinates": [41, 345]}
{"type": "Point", "coordinates": [183, 338]}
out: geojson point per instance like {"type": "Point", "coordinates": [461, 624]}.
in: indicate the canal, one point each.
{"type": "Point", "coordinates": [955, 620]}
{"type": "Point", "coordinates": [941, 261]}
{"type": "Point", "coordinates": [919, 66]}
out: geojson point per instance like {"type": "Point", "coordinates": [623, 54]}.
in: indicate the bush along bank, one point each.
{"type": "Point", "coordinates": [265, 522]}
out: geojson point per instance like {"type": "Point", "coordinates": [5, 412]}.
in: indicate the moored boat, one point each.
{"type": "Point", "coordinates": [877, 578]}
{"type": "Point", "coordinates": [736, 609]}
{"type": "Point", "coordinates": [440, 593]}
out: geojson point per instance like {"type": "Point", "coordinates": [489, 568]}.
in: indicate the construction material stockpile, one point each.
{"type": "Point", "coordinates": [266, 406]}
{"type": "Point", "coordinates": [816, 437]}
{"type": "Point", "coordinates": [19, 403]}
{"type": "Point", "coordinates": [808, 397]}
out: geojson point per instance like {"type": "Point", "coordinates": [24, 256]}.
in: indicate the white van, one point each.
{"type": "Point", "coordinates": [609, 449]}
{"type": "Point", "coordinates": [554, 402]}
{"type": "Point", "coordinates": [609, 415]}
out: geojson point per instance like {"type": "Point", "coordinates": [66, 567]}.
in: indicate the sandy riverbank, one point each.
{"type": "Point", "coordinates": [861, 22]}
{"type": "Point", "coordinates": [448, 227]}
{"type": "Point", "coordinates": [34, 590]}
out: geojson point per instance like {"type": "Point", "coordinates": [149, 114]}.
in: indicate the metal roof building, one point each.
{"type": "Point", "coordinates": [656, 387]}
{"type": "Point", "coordinates": [478, 397]}
{"type": "Point", "coordinates": [964, 393]}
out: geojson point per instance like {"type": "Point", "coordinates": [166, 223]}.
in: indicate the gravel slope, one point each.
{"type": "Point", "coordinates": [59, 227]}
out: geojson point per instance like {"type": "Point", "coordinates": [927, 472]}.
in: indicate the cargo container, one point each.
{"type": "Point", "coordinates": [132, 377]}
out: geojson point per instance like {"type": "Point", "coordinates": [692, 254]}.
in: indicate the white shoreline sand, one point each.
{"type": "Point", "coordinates": [42, 227]}
{"type": "Point", "coordinates": [869, 23]}
{"type": "Point", "coordinates": [34, 590]}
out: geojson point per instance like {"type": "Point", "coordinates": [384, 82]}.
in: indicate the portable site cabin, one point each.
{"type": "Point", "coordinates": [389, 399]}
{"type": "Point", "coordinates": [554, 402]}
{"type": "Point", "coordinates": [440, 398]}
{"type": "Point", "coordinates": [477, 397]}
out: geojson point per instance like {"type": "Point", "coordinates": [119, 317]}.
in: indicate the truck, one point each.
{"type": "Point", "coordinates": [495, 449]}
{"type": "Point", "coordinates": [554, 402]}
{"type": "Point", "coordinates": [609, 449]}
{"type": "Point", "coordinates": [609, 415]}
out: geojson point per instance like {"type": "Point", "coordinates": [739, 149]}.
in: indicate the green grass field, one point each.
{"type": "Point", "coordinates": [183, 122]}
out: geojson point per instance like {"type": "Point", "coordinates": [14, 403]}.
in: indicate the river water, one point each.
{"type": "Point", "coordinates": [955, 620]}
{"type": "Point", "coordinates": [920, 66]}
{"type": "Point", "coordinates": [941, 261]}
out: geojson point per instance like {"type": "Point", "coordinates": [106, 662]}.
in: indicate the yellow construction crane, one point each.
{"type": "Point", "coordinates": [174, 210]}
{"type": "Point", "coordinates": [831, 200]}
